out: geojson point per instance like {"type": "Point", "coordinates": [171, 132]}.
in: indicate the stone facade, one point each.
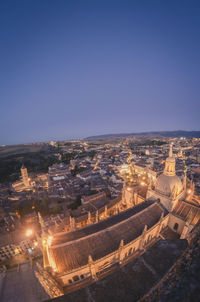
{"type": "Point", "coordinates": [137, 220]}
{"type": "Point", "coordinates": [122, 255]}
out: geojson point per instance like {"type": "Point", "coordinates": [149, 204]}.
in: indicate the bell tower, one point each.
{"type": "Point", "coordinates": [25, 178]}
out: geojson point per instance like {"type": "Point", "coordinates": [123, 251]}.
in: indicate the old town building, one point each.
{"type": "Point", "coordinates": [121, 230]}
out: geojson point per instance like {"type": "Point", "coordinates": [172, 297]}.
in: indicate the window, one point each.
{"type": "Point", "coordinates": [76, 278]}
{"type": "Point", "coordinates": [176, 226]}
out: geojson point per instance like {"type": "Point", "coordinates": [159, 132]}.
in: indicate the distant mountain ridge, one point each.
{"type": "Point", "coordinates": [153, 134]}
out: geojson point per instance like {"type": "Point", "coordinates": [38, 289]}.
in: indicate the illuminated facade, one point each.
{"type": "Point", "coordinates": [25, 178]}
{"type": "Point", "coordinates": [168, 187]}
{"type": "Point", "coordinates": [123, 229]}
{"type": "Point", "coordinates": [29, 182]}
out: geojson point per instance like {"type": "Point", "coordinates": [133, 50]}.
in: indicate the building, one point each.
{"type": "Point", "coordinates": [177, 197]}
{"type": "Point", "coordinates": [31, 182]}
{"type": "Point", "coordinates": [94, 197]}
{"type": "Point", "coordinates": [24, 183]}
{"type": "Point", "coordinates": [14, 243]}
{"type": "Point", "coordinates": [25, 178]}
{"type": "Point", "coordinates": [164, 208]}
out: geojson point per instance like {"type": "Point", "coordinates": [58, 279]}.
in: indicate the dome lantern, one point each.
{"type": "Point", "coordinates": [170, 164]}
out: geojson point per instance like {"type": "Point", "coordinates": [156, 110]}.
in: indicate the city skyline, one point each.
{"type": "Point", "coordinates": [99, 150]}
{"type": "Point", "coordinates": [73, 70]}
{"type": "Point", "coordinates": [191, 134]}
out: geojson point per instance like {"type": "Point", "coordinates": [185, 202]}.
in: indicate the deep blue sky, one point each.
{"type": "Point", "coordinates": [70, 69]}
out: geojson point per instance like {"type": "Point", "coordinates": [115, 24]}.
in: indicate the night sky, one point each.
{"type": "Point", "coordinates": [71, 69]}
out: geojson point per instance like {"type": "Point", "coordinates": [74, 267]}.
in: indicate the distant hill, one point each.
{"type": "Point", "coordinates": [156, 134]}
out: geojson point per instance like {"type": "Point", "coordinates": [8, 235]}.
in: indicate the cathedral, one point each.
{"type": "Point", "coordinates": [123, 230]}
{"type": "Point", "coordinates": [177, 197]}
{"type": "Point", "coordinates": [168, 187]}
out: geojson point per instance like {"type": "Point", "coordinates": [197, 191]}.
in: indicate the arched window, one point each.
{"type": "Point", "coordinates": [176, 226]}
{"type": "Point", "coordinates": [76, 278]}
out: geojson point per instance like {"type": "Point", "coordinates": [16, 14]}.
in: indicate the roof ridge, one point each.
{"type": "Point", "coordinates": [104, 230]}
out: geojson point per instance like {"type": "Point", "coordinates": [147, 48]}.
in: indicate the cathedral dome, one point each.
{"type": "Point", "coordinates": [169, 185]}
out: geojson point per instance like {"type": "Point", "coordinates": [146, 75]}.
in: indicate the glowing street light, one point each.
{"type": "Point", "coordinates": [49, 240]}
{"type": "Point", "coordinates": [17, 251]}
{"type": "Point", "coordinates": [29, 232]}
{"type": "Point", "coordinates": [129, 189]}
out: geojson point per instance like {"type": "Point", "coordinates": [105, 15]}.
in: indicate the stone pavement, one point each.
{"type": "Point", "coordinates": [21, 285]}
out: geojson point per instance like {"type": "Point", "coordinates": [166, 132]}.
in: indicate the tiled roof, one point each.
{"type": "Point", "coordinates": [187, 211]}
{"type": "Point", "coordinates": [71, 250]}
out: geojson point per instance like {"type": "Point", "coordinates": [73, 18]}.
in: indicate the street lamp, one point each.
{"type": "Point", "coordinates": [29, 232]}
{"type": "Point", "coordinates": [49, 240]}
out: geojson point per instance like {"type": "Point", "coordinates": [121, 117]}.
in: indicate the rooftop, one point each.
{"type": "Point", "coordinates": [102, 238]}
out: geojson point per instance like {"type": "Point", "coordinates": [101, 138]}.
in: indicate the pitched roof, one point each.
{"type": "Point", "coordinates": [71, 250]}
{"type": "Point", "coordinates": [187, 211]}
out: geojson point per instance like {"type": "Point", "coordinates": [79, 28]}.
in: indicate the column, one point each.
{"type": "Point", "coordinates": [72, 222]}
{"type": "Point", "coordinates": [97, 216]}
{"type": "Point", "coordinates": [92, 267]}
{"type": "Point", "coordinates": [106, 211]}
{"type": "Point", "coordinates": [89, 218]}
{"type": "Point", "coordinates": [141, 245]}
{"type": "Point", "coordinates": [121, 251]}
